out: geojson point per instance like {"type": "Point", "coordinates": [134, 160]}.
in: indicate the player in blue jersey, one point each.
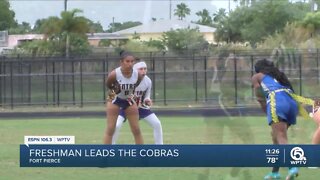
{"type": "Point", "coordinates": [122, 83]}
{"type": "Point", "coordinates": [143, 100]}
{"type": "Point", "coordinates": [274, 93]}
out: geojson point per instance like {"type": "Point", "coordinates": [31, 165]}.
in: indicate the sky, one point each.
{"type": "Point", "coordinates": [105, 11]}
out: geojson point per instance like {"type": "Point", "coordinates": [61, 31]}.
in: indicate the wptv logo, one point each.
{"type": "Point", "coordinates": [297, 154]}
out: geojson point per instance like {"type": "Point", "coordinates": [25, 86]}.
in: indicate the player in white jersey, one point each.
{"type": "Point", "coordinates": [142, 93]}
{"type": "Point", "coordinates": [122, 83]}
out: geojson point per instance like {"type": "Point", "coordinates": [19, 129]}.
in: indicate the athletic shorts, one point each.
{"type": "Point", "coordinates": [142, 113]}
{"type": "Point", "coordinates": [122, 103]}
{"type": "Point", "coordinates": [286, 108]}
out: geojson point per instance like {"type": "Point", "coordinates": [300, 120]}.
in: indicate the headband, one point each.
{"type": "Point", "coordinates": [140, 65]}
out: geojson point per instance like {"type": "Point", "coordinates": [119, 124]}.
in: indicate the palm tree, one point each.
{"type": "Point", "coordinates": [220, 15]}
{"type": "Point", "coordinates": [205, 17]}
{"type": "Point", "coordinates": [71, 23]}
{"type": "Point", "coordinates": [181, 11]}
{"type": "Point", "coordinates": [62, 28]}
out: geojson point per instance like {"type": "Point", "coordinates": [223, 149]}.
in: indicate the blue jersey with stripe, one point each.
{"type": "Point", "coordinates": [270, 84]}
{"type": "Point", "coordinates": [285, 107]}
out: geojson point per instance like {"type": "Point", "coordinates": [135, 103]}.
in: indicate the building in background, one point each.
{"type": "Point", "coordinates": [154, 30]}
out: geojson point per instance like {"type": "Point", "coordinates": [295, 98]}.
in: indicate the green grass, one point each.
{"type": "Point", "coordinates": [177, 130]}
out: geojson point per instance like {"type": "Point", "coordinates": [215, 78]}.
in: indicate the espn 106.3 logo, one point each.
{"type": "Point", "coordinates": [297, 154]}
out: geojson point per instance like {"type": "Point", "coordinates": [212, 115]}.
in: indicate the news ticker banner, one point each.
{"type": "Point", "coordinates": [35, 155]}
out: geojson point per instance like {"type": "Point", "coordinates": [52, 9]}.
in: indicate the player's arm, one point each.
{"type": "Point", "coordinates": [112, 85]}
{"type": "Point", "coordinates": [140, 77]}
{"type": "Point", "coordinates": [147, 99]}
{"type": "Point", "coordinates": [256, 80]}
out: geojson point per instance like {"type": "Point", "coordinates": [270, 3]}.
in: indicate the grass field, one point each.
{"type": "Point", "coordinates": [177, 130]}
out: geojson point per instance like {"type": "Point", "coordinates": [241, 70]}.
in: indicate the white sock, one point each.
{"type": "Point", "coordinates": [117, 130]}
{"type": "Point", "coordinates": [155, 123]}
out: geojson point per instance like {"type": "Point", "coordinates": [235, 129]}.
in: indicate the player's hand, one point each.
{"type": "Point", "coordinates": [148, 102]}
{"type": "Point", "coordinates": [116, 87]}
{"type": "Point", "coordinates": [111, 95]}
{"type": "Point", "coordinates": [132, 99]}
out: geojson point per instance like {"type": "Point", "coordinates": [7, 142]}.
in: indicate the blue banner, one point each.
{"type": "Point", "coordinates": [169, 155]}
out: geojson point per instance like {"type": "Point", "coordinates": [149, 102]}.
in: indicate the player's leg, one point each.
{"type": "Point", "coordinates": [119, 124]}
{"type": "Point", "coordinates": [133, 117]}
{"type": "Point", "coordinates": [316, 136]}
{"type": "Point", "coordinates": [112, 114]}
{"type": "Point", "coordinates": [155, 123]}
{"type": "Point", "coordinates": [279, 136]}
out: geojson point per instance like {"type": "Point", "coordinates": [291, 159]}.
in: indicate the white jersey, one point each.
{"type": "Point", "coordinates": [127, 85]}
{"type": "Point", "coordinates": [143, 91]}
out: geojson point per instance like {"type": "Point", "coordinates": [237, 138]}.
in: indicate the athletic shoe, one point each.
{"type": "Point", "coordinates": [272, 175]}
{"type": "Point", "coordinates": [292, 173]}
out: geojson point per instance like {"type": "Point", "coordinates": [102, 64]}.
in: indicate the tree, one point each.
{"type": "Point", "coordinates": [312, 22]}
{"type": "Point", "coordinates": [22, 28]}
{"type": "Point", "coordinates": [181, 11]}
{"type": "Point", "coordinates": [67, 33]}
{"type": "Point", "coordinates": [219, 16]}
{"type": "Point", "coordinates": [184, 39]}
{"type": "Point", "coordinates": [205, 18]}
{"type": "Point", "coordinates": [258, 21]}
{"type": "Point", "coordinates": [6, 16]}
{"type": "Point", "coordinates": [94, 27]}
{"type": "Point", "coordinates": [73, 24]}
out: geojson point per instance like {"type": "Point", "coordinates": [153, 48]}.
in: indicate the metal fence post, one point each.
{"type": "Point", "coordinates": [47, 86]}
{"type": "Point", "coordinates": [73, 86]}
{"type": "Point", "coordinates": [205, 79]}
{"type": "Point", "coordinates": [29, 84]}
{"type": "Point", "coordinates": [1, 83]}
{"type": "Point", "coordinates": [53, 83]}
{"type": "Point", "coordinates": [196, 84]}
{"type": "Point", "coordinates": [164, 82]}
{"type": "Point", "coordinates": [318, 75]}
{"type": "Point", "coordinates": [235, 79]}
{"type": "Point", "coordinates": [300, 75]}
{"type": "Point", "coordinates": [4, 83]}
{"type": "Point", "coordinates": [58, 88]}
{"type": "Point", "coordinates": [81, 86]}
{"type": "Point", "coordinates": [104, 74]}
{"type": "Point", "coordinates": [252, 69]}
{"type": "Point", "coordinates": [11, 85]}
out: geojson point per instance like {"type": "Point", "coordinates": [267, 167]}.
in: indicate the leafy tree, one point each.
{"type": "Point", "coordinates": [94, 27]}
{"type": "Point", "coordinates": [71, 24]}
{"type": "Point", "coordinates": [23, 28]}
{"type": "Point", "coordinates": [155, 43]}
{"type": "Point", "coordinates": [182, 11]}
{"type": "Point", "coordinates": [205, 18]}
{"type": "Point", "coordinates": [6, 16]}
{"type": "Point", "coordinates": [220, 15]}
{"type": "Point", "coordinates": [262, 19]}
{"type": "Point", "coordinates": [63, 35]}
{"type": "Point", "coordinates": [312, 22]}
{"type": "Point", "coordinates": [184, 39]}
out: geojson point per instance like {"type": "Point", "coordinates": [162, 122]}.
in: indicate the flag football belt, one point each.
{"type": "Point", "coordinates": [299, 99]}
